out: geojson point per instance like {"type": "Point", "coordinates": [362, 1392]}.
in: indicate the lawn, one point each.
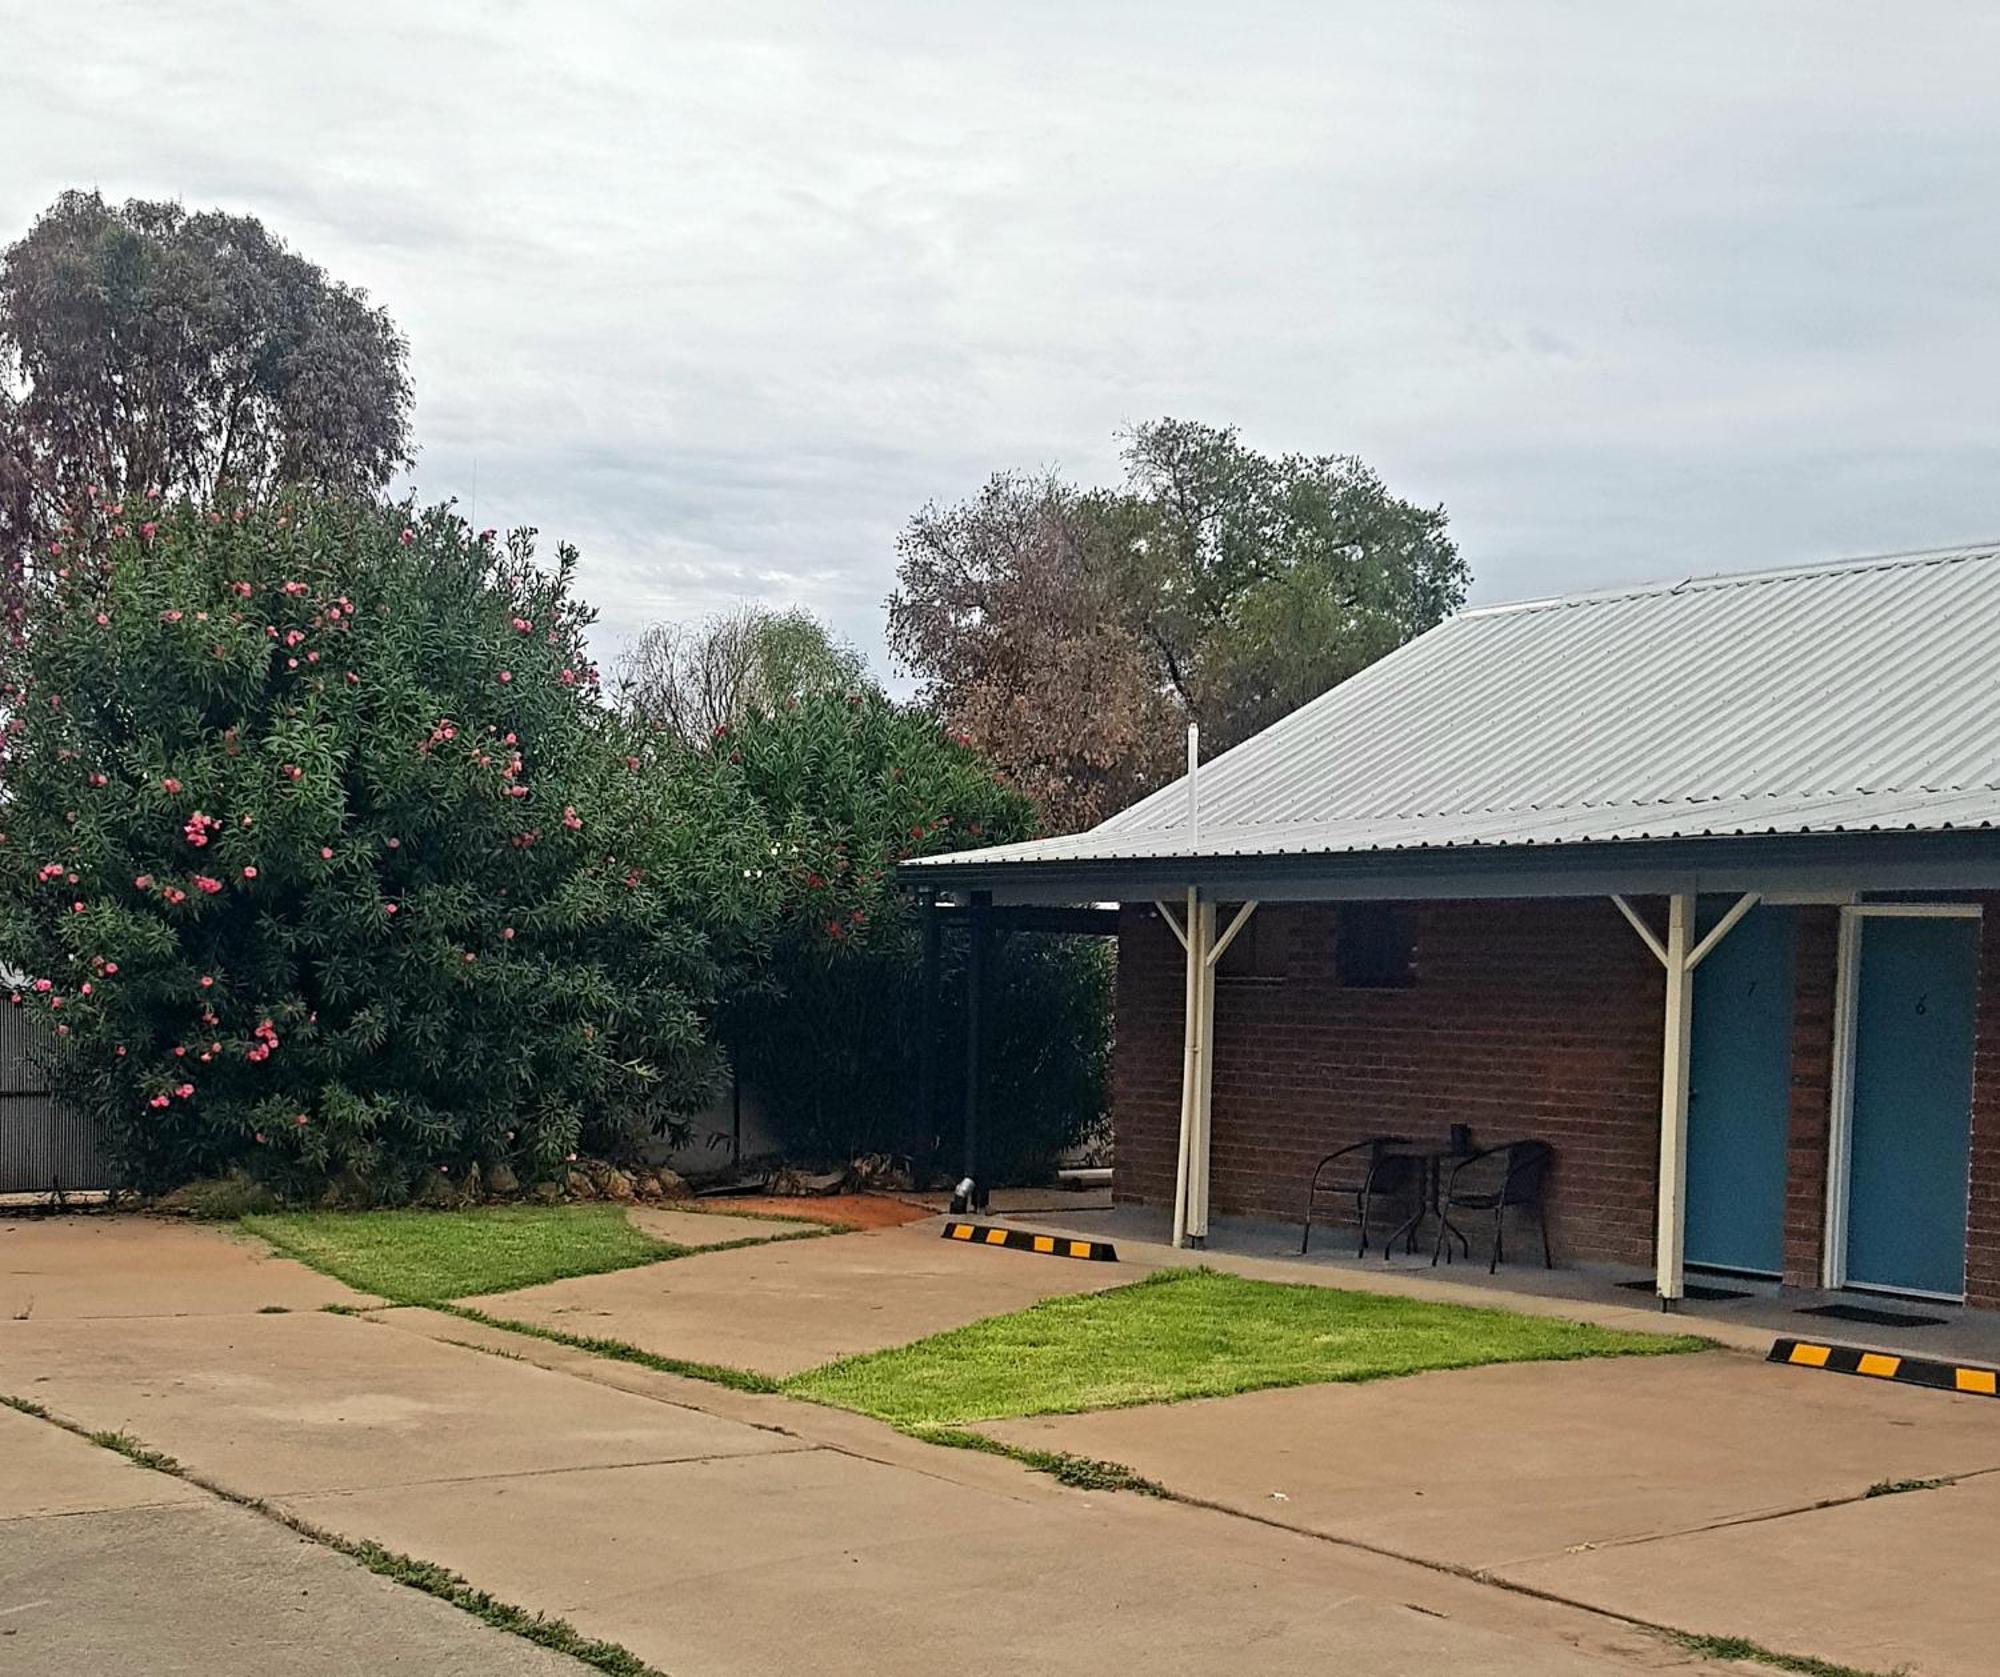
{"type": "Point", "coordinates": [419, 1257]}
{"type": "Point", "coordinates": [1188, 1334]}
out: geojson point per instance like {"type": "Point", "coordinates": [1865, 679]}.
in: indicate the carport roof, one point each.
{"type": "Point", "coordinates": [1860, 697]}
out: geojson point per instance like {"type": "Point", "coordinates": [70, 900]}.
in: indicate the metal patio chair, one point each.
{"type": "Point", "coordinates": [1495, 1179]}
{"type": "Point", "coordinates": [1365, 1170]}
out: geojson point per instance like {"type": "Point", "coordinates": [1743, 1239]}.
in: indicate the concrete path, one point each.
{"type": "Point", "coordinates": [105, 1566]}
{"type": "Point", "coordinates": [101, 1265]}
{"type": "Point", "coordinates": [707, 1228]}
{"type": "Point", "coordinates": [779, 1309]}
{"type": "Point", "coordinates": [1684, 1491]}
{"type": "Point", "coordinates": [710, 1531]}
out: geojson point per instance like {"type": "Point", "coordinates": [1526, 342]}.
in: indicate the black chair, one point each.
{"type": "Point", "coordinates": [1369, 1168]}
{"type": "Point", "coordinates": [1493, 1179]}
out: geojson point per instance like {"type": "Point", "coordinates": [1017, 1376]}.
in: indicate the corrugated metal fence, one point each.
{"type": "Point", "coordinates": [43, 1146]}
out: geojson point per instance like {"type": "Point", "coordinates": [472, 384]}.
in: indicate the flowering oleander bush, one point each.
{"type": "Point", "coordinates": [827, 1029]}
{"type": "Point", "coordinates": [325, 862]}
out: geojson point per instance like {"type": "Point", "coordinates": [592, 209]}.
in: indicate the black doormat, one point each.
{"type": "Point", "coordinates": [1874, 1318]}
{"type": "Point", "coordinates": [1699, 1291]}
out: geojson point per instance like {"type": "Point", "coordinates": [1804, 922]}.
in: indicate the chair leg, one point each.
{"type": "Point", "coordinates": [1499, 1234]}
{"type": "Point", "coordinates": [1542, 1217]}
{"type": "Point", "coordinates": [1439, 1245]}
{"type": "Point", "coordinates": [1361, 1210]}
{"type": "Point", "coordinates": [1306, 1233]}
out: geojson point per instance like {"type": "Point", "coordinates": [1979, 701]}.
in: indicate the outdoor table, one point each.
{"type": "Point", "coordinates": [1430, 1161]}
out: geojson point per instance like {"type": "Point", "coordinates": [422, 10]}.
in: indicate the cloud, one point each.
{"type": "Point", "coordinates": [722, 294]}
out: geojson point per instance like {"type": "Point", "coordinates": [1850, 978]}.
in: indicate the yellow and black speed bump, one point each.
{"type": "Point", "coordinates": [1055, 1245]}
{"type": "Point", "coordinates": [1887, 1365]}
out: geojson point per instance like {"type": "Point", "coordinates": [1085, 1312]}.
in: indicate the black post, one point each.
{"type": "Point", "coordinates": [735, 1117]}
{"type": "Point", "coordinates": [977, 933]}
{"type": "Point", "coordinates": [923, 1139]}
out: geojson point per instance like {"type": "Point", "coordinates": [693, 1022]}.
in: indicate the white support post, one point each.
{"type": "Point", "coordinates": [1189, 933]}
{"type": "Point", "coordinates": [1204, 1087]}
{"type": "Point", "coordinates": [1213, 951]}
{"type": "Point", "coordinates": [1670, 1245]}
{"type": "Point", "coordinates": [1680, 955]}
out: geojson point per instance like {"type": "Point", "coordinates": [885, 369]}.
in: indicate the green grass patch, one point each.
{"type": "Point", "coordinates": [1189, 1334]}
{"type": "Point", "coordinates": [1743, 1650]}
{"type": "Point", "coordinates": [716, 1374]}
{"type": "Point", "coordinates": [423, 1257]}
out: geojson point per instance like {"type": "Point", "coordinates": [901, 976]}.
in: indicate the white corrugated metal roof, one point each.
{"type": "Point", "coordinates": [1851, 697]}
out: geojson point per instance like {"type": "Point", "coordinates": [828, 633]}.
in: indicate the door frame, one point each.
{"type": "Point", "coordinates": [1840, 1127]}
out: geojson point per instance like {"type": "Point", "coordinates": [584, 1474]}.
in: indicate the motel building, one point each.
{"type": "Point", "coordinates": [1696, 883]}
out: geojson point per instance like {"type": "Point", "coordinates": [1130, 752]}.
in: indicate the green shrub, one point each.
{"type": "Point", "coordinates": [829, 1033]}
{"type": "Point", "coordinates": [328, 865]}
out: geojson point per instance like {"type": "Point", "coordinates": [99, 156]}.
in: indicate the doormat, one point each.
{"type": "Point", "coordinates": [1874, 1318]}
{"type": "Point", "coordinates": [1699, 1291]}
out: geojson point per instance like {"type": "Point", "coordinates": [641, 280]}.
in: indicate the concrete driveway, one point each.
{"type": "Point", "coordinates": [782, 1308]}
{"type": "Point", "coordinates": [711, 1532]}
{"type": "Point", "coordinates": [1715, 1493]}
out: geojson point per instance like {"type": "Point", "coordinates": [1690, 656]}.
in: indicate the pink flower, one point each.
{"type": "Point", "coordinates": [507, 932]}
{"type": "Point", "coordinates": [185, 1091]}
{"type": "Point", "coordinates": [352, 679]}
{"type": "Point", "coordinates": [144, 882]}
{"type": "Point", "coordinates": [295, 588]}
{"type": "Point", "coordinates": [326, 853]}
{"type": "Point", "coordinates": [249, 873]}
{"type": "Point", "coordinates": [506, 676]}
{"type": "Point", "coordinates": [170, 785]}
{"type": "Point", "coordinates": [204, 883]}
{"type": "Point", "coordinates": [103, 622]}
{"type": "Point", "coordinates": [469, 957]}
{"type": "Point", "coordinates": [407, 537]}
{"type": "Point", "coordinates": [43, 986]}
{"type": "Point", "coordinates": [241, 588]}
{"type": "Point", "coordinates": [76, 908]}
{"type": "Point", "coordinates": [523, 625]}
{"type": "Point", "coordinates": [172, 616]}
{"type": "Point", "coordinates": [119, 1051]}
{"type": "Point", "coordinates": [83, 990]}
{"type": "Point", "coordinates": [148, 530]}
{"type": "Point", "coordinates": [571, 819]}
{"type": "Point", "coordinates": [110, 969]}
{"type": "Point", "coordinates": [161, 1100]}
{"type": "Point", "coordinates": [301, 1120]}
{"type": "Point", "coordinates": [207, 983]}
{"type": "Point", "coordinates": [389, 908]}
{"type": "Point", "coordinates": [294, 772]}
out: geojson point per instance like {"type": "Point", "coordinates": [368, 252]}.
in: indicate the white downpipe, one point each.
{"type": "Point", "coordinates": [1191, 1017]}
{"type": "Point", "coordinates": [1670, 1246]}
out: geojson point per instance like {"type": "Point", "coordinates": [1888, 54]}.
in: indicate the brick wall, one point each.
{"type": "Point", "coordinates": [1526, 1018]}
{"type": "Point", "coordinates": [1816, 951]}
{"type": "Point", "coordinates": [1537, 1018]}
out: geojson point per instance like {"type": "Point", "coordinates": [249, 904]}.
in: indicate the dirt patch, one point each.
{"type": "Point", "coordinates": [858, 1211]}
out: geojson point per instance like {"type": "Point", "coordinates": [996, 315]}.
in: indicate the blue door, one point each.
{"type": "Point", "coordinates": [1739, 1093]}
{"type": "Point", "coordinates": [1912, 1122]}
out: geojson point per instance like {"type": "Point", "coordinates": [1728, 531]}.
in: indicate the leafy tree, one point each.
{"type": "Point", "coordinates": [1073, 634]}
{"type": "Point", "coordinates": [328, 863]}
{"type": "Point", "coordinates": [144, 346]}
{"type": "Point", "coordinates": [692, 680]}
{"type": "Point", "coordinates": [829, 1035]}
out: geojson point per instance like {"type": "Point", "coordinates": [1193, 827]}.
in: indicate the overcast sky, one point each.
{"type": "Point", "coordinates": [724, 291]}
